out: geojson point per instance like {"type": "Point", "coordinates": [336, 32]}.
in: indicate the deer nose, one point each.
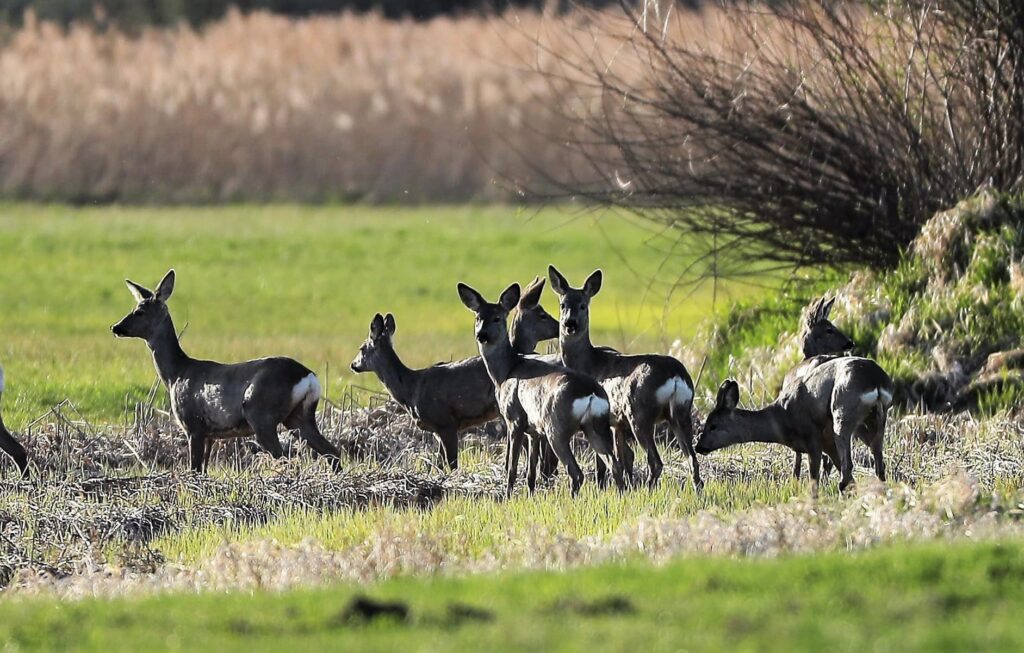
{"type": "Point", "coordinates": [481, 338]}
{"type": "Point", "coordinates": [571, 325]}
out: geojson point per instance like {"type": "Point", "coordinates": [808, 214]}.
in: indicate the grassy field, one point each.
{"type": "Point", "coordinates": [298, 281]}
{"type": "Point", "coordinates": [965, 596]}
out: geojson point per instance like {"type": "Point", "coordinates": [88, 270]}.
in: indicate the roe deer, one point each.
{"type": "Point", "coordinates": [540, 399]}
{"type": "Point", "coordinates": [212, 400]}
{"type": "Point", "coordinates": [450, 397]}
{"type": "Point", "coordinates": [8, 444]}
{"type": "Point", "coordinates": [644, 389]}
{"type": "Point", "coordinates": [822, 341]}
{"type": "Point", "coordinates": [819, 414]}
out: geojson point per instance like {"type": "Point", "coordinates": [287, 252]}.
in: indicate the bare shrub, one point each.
{"type": "Point", "coordinates": [805, 132]}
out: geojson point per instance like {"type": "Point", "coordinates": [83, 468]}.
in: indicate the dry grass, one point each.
{"type": "Point", "coordinates": [107, 506]}
{"type": "Point", "coordinates": [261, 107]}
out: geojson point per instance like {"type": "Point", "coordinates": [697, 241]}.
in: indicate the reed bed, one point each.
{"type": "Point", "coordinates": [260, 107]}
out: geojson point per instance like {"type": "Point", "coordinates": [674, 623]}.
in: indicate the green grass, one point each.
{"type": "Point", "coordinates": [291, 280]}
{"type": "Point", "coordinates": [964, 596]}
{"type": "Point", "coordinates": [469, 527]}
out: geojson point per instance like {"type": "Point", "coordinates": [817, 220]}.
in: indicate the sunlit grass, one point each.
{"type": "Point", "coordinates": [291, 280]}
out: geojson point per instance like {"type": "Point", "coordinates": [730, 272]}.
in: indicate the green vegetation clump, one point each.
{"type": "Point", "coordinates": [947, 322]}
{"type": "Point", "coordinates": [966, 596]}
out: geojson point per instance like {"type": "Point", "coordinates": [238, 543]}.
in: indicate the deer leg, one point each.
{"type": "Point", "coordinates": [266, 435]}
{"type": "Point", "coordinates": [683, 428]}
{"type": "Point", "coordinates": [624, 451]}
{"type": "Point", "coordinates": [814, 461]}
{"type": "Point", "coordinates": [515, 444]}
{"type": "Point", "coordinates": [14, 449]}
{"type": "Point", "coordinates": [877, 441]}
{"type": "Point", "coordinates": [207, 451]}
{"type": "Point", "coordinates": [563, 449]}
{"type": "Point", "coordinates": [798, 460]}
{"type": "Point", "coordinates": [644, 433]}
{"type": "Point", "coordinates": [599, 434]}
{"type": "Point", "coordinates": [531, 474]}
{"type": "Point", "coordinates": [844, 444]}
{"type": "Point", "coordinates": [548, 460]}
{"type": "Point", "coordinates": [303, 419]}
{"type": "Point", "coordinates": [197, 452]}
{"type": "Point", "coordinates": [449, 448]}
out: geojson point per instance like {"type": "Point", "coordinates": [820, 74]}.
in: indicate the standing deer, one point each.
{"type": "Point", "coordinates": [644, 389]}
{"type": "Point", "coordinates": [540, 399]}
{"type": "Point", "coordinates": [8, 444]}
{"type": "Point", "coordinates": [822, 341]}
{"type": "Point", "coordinates": [450, 397]}
{"type": "Point", "coordinates": [212, 400]}
{"type": "Point", "coordinates": [819, 414]}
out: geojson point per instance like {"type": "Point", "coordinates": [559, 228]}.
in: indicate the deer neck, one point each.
{"type": "Point", "coordinates": [766, 425]}
{"type": "Point", "coordinates": [577, 352]}
{"type": "Point", "coordinates": [521, 342]}
{"type": "Point", "coordinates": [168, 356]}
{"type": "Point", "coordinates": [399, 379]}
{"type": "Point", "coordinates": [499, 359]}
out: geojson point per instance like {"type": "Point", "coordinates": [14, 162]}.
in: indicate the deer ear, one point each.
{"type": "Point", "coordinates": [376, 325]}
{"type": "Point", "coordinates": [389, 325]}
{"type": "Point", "coordinates": [138, 292]}
{"type": "Point", "coordinates": [473, 300]}
{"type": "Point", "coordinates": [827, 309]}
{"type": "Point", "coordinates": [531, 296]}
{"type": "Point", "coordinates": [165, 287]}
{"type": "Point", "coordinates": [509, 297]}
{"type": "Point", "coordinates": [813, 316]}
{"type": "Point", "coordinates": [558, 283]}
{"type": "Point", "coordinates": [728, 395]}
{"type": "Point", "coordinates": [593, 283]}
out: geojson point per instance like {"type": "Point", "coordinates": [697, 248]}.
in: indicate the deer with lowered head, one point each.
{"type": "Point", "coordinates": [822, 340]}
{"type": "Point", "coordinates": [644, 390]}
{"type": "Point", "coordinates": [211, 400]}
{"type": "Point", "coordinates": [818, 415]}
{"type": "Point", "coordinates": [450, 397]}
{"type": "Point", "coordinates": [8, 444]}
{"type": "Point", "coordinates": [538, 399]}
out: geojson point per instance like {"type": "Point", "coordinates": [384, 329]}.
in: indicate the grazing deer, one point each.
{"type": "Point", "coordinates": [819, 414]}
{"type": "Point", "coordinates": [539, 399]}
{"type": "Point", "coordinates": [8, 444]}
{"type": "Point", "coordinates": [450, 397]}
{"type": "Point", "coordinates": [644, 389]}
{"type": "Point", "coordinates": [212, 400]}
{"type": "Point", "coordinates": [822, 341]}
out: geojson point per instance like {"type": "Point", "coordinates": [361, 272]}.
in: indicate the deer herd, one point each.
{"type": "Point", "coordinates": [613, 399]}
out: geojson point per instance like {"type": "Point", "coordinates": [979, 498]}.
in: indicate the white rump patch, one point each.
{"type": "Point", "coordinates": [869, 397]}
{"type": "Point", "coordinates": [676, 391]}
{"type": "Point", "coordinates": [885, 396]}
{"type": "Point", "coordinates": [589, 406]}
{"type": "Point", "coordinates": [307, 390]}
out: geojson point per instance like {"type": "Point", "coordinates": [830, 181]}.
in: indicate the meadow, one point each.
{"type": "Point", "coordinates": [965, 596]}
{"type": "Point", "coordinates": [304, 282]}
{"type": "Point", "coordinates": [114, 523]}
